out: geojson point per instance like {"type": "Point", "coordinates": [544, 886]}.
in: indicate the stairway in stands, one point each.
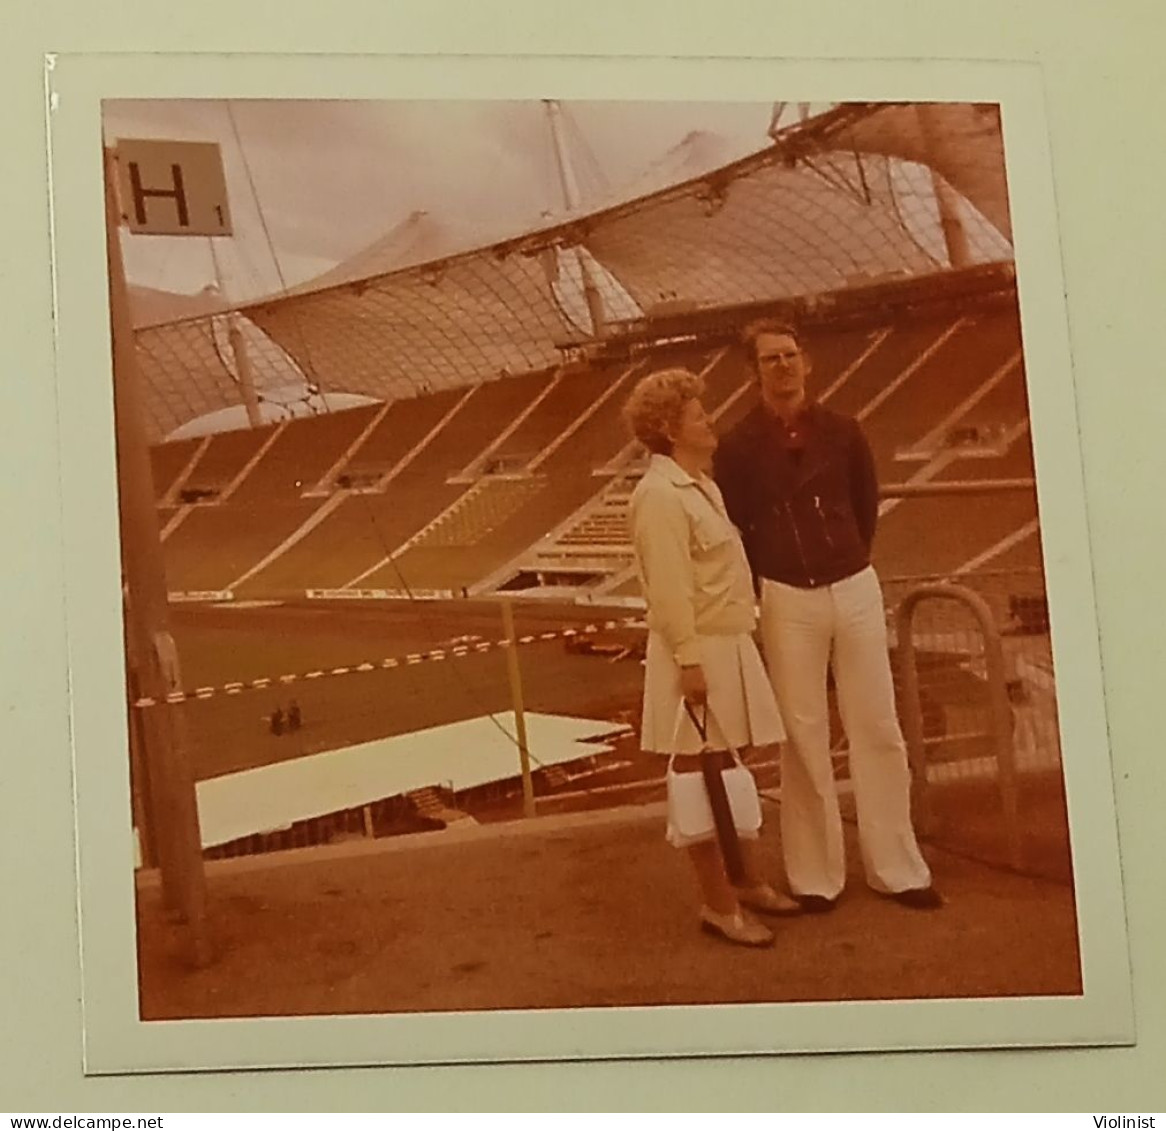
{"type": "Point", "coordinates": [430, 801]}
{"type": "Point", "coordinates": [483, 508]}
{"type": "Point", "coordinates": [599, 530]}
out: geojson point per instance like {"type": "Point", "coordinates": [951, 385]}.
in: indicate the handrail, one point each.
{"type": "Point", "coordinates": [1001, 708]}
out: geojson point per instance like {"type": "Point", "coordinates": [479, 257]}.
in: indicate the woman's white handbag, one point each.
{"type": "Point", "coordinates": [690, 816]}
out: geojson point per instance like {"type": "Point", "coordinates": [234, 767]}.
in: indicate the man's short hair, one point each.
{"type": "Point", "coordinates": [761, 326]}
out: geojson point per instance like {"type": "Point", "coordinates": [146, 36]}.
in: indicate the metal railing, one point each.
{"type": "Point", "coordinates": [1001, 723]}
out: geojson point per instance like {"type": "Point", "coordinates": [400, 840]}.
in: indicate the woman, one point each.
{"type": "Point", "coordinates": [703, 669]}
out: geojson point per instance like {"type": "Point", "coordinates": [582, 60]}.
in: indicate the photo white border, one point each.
{"type": "Point", "coordinates": [116, 1041]}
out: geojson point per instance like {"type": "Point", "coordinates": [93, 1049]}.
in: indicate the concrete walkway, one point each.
{"type": "Point", "coordinates": [584, 909]}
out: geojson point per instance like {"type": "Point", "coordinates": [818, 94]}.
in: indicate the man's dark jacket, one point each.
{"type": "Point", "coordinates": [806, 522]}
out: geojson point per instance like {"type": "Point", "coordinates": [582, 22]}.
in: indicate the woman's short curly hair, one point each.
{"type": "Point", "coordinates": [657, 404]}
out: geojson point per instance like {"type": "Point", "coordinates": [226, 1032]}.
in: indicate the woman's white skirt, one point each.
{"type": "Point", "coordinates": [742, 709]}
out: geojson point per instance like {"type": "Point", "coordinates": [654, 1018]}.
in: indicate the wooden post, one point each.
{"type": "Point", "coordinates": [528, 808]}
{"type": "Point", "coordinates": [170, 790]}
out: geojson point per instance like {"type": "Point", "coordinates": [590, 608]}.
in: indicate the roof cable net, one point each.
{"type": "Point", "coordinates": [819, 210]}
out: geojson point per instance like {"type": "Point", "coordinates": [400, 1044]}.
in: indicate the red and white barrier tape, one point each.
{"type": "Point", "coordinates": [436, 655]}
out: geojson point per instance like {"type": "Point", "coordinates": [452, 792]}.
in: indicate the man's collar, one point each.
{"type": "Point", "coordinates": [804, 415]}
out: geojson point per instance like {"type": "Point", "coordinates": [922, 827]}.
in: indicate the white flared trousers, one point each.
{"type": "Point", "coordinates": [804, 632]}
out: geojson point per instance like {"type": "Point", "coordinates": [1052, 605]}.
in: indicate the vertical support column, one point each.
{"type": "Point", "coordinates": [238, 347]}
{"type": "Point", "coordinates": [246, 374]}
{"type": "Point", "coordinates": [955, 236]}
{"type": "Point", "coordinates": [571, 201]}
{"type": "Point", "coordinates": [528, 807]}
{"type": "Point", "coordinates": [170, 781]}
{"type": "Point", "coordinates": [142, 805]}
{"type": "Point", "coordinates": [1002, 719]}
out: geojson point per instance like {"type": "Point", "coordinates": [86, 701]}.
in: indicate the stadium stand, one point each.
{"type": "Point", "coordinates": [172, 463]}
{"type": "Point", "coordinates": [496, 460]}
{"type": "Point", "coordinates": [527, 477]}
{"type": "Point", "coordinates": [301, 456]}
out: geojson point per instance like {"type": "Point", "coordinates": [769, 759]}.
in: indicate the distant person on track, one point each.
{"type": "Point", "coordinates": [799, 482]}
{"type": "Point", "coordinates": [700, 652]}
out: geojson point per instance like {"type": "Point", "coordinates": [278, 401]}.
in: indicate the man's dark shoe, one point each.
{"type": "Point", "coordinates": [816, 904]}
{"type": "Point", "coordinates": [918, 899]}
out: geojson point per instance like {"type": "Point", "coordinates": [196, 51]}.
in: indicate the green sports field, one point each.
{"type": "Point", "coordinates": [222, 645]}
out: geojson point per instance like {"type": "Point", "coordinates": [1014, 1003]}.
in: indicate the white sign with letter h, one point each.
{"type": "Point", "coordinates": [172, 188]}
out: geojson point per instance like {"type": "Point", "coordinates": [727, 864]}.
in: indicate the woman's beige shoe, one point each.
{"type": "Point", "coordinates": [736, 927]}
{"type": "Point", "coordinates": [768, 900]}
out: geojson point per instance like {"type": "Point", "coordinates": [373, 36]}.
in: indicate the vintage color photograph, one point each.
{"type": "Point", "coordinates": [579, 554]}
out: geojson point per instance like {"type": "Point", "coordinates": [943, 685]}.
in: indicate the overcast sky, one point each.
{"type": "Point", "coordinates": [332, 177]}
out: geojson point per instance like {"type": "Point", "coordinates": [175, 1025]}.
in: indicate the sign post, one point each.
{"type": "Point", "coordinates": [178, 188]}
{"type": "Point", "coordinates": [168, 793]}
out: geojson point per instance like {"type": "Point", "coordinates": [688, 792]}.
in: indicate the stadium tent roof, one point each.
{"type": "Point", "coordinates": [420, 238]}
{"type": "Point", "coordinates": [812, 212]}
{"type": "Point", "coordinates": [150, 306]}
{"type": "Point", "coordinates": [189, 370]}
{"type": "Point", "coordinates": [277, 405]}
{"type": "Point", "coordinates": [962, 141]}
{"type": "Point", "coordinates": [697, 153]}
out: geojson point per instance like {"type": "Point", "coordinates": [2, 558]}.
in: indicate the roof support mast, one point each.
{"type": "Point", "coordinates": [238, 348]}
{"type": "Point", "coordinates": [569, 186]}
{"type": "Point", "coordinates": [955, 236]}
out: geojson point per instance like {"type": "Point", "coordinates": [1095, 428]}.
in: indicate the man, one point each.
{"type": "Point", "coordinates": [799, 481]}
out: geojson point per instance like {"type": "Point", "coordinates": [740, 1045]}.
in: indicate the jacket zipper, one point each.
{"type": "Point", "coordinates": [825, 524]}
{"type": "Point", "coordinates": [798, 542]}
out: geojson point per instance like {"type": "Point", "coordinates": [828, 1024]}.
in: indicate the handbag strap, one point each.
{"type": "Point", "coordinates": [701, 724]}
{"type": "Point", "coordinates": [701, 727]}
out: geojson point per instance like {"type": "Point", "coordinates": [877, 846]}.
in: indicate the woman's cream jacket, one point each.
{"type": "Point", "coordinates": [692, 566]}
